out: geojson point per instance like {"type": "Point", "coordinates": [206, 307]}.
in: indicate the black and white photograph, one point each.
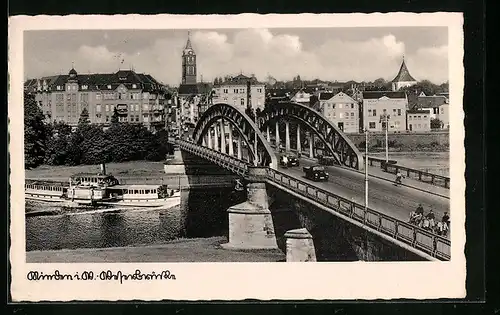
{"type": "Point", "coordinates": [218, 143]}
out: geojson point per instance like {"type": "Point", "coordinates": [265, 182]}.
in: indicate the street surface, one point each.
{"type": "Point", "coordinates": [395, 201]}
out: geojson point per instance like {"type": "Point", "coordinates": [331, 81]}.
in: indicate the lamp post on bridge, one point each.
{"type": "Point", "coordinates": [384, 118]}
{"type": "Point", "coordinates": [366, 170]}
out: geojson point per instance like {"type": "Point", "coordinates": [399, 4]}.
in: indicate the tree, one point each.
{"type": "Point", "coordinates": [84, 117]}
{"type": "Point", "coordinates": [35, 133]}
{"type": "Point", "coordinates": [114, 118]}
{"type": "Point", "coordinates": [436, 123]}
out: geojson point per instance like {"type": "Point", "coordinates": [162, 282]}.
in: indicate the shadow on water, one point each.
{"type": "Point", "coordinates": [206, 212]}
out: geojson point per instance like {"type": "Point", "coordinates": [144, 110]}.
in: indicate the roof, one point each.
{"type": "Point", "coordinates": [379, 94]}
{"type": "Point", "coordinates": [403, 74]}
{"type": "Point", "coordinates": [91, 175]}
{"type": "Point", "coordinates": [100, 81]}
{"type": "Point", "coordinates": [240, 80]}
{"type": "Point", "coordinates": [417, 111]}
{"type": "Point", "coordinates": [342, 98]}
{"type": "Point", "coordinates": [278, 92]}
{"type": "Point", "coordinates": [185, 89]}
{"type": "Point", "coordinates": [137, 186]}
{"type": "Point", "coordinates": [325, 95]}
{"type": "Point", "coordinates": [431, 101]}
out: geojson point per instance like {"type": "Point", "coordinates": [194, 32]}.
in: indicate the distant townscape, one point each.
{"type": "Point", "coordinates": [409, 105]}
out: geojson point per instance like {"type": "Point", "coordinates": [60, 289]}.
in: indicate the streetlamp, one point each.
{"type": "Point", "coordinates": [255, 160]}
{"type": "Point", "coordinates": [366, 170]}
{"type": "Point", "coordinates": [385, 118]}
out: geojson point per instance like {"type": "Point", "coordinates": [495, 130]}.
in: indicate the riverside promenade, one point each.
{"type": "Point", "coordinates": [180, 250]}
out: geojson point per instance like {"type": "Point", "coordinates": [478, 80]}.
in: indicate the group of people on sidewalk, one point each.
{"type": "Point", "coordinates": [428, 221]}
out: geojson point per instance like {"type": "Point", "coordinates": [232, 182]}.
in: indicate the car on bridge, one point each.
{"type": "Point", "coordinates": [292, 160]}
{"type": "Point", "coordinates": [315, 173]}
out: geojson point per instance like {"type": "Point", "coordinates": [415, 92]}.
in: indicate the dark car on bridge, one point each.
{"type": "Point", "coordinates": [315, 173]}
{"type": "Point", "coordinates": [292, 160]}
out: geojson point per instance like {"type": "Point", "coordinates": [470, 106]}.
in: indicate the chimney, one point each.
{"type": "Point", "coordinates": [103, 169]}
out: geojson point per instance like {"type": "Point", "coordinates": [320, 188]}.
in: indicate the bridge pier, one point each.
{"type": "Point", "coordinates": [250, 223]}
{"type": "Point", "coordinates": [299, 246]}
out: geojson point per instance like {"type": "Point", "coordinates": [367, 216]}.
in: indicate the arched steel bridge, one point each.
{"type": "Point", "coordinates": [337, 144]}
{"type": "Point", "coordinates": [253, 149]}
{"type": "Point", "coordinates": [222, 119]}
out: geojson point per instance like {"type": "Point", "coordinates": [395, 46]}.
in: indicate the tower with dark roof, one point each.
{"type": "Point", "coordinates": [403, 78]}
{"type": "Point", "coordinates": [188, 63]}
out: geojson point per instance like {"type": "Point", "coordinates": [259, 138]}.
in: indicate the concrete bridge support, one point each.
{"type": "Point", "coordinates": [299, 246]}
{"type": "Point", "coordinates": [250, 223]}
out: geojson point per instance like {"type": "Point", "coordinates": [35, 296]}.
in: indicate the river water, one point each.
{"type": "Point", "coordinates": [202, 214]}
{"type": "Point", "coordinates": [432, 162]}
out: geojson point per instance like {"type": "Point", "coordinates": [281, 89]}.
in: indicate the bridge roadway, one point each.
{"type": "Point", "coordinates": [395, 201]}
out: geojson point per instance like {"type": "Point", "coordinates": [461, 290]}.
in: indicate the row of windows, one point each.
{"type": "Point", "coordinates": [394, 110]}
{"type": "Point", "coordinates": [416, 117]}
{"type": "Point", "coordinates": [372, 125]}
{"type": "Point", "coordinates": [41, 187]}
{"type": "Point", "coordinates": [239, 91]}
{"type": "Point", "coordinates": [418, 126]}
{"type": "Point", "coordinates": [341, 115]}
{"type": "Point", "coordinates": [332, 105]}
{"type": "Point", "coordinates": [141, 191]}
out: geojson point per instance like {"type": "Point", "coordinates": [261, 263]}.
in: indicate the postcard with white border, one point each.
{"type": "Point", "coordinates": [230, 157]}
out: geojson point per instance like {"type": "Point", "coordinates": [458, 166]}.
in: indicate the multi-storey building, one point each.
{"type": "Point", "coordinates": [419, 120]}
{"type": "Point", "coordinates": [138, 98]}
{"type": "Point", "coordinates": [377, 104]}
{"type": "Point", "coordinates": [239, 91]}
{"type": "Point", "coordinates": [438, 107]}
{"type": "Point", "coordinates": [340, 109]}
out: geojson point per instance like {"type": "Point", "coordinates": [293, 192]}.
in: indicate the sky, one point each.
{"type": "Point", "coordinates": [336, 54]}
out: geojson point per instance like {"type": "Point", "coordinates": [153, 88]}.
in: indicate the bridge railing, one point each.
{"type": "Point", "coordinates": [418, 238]}
{"type": "Point", "coordinates": [426, 177]}
{"type": "Point", "coordinates": [228, 162]}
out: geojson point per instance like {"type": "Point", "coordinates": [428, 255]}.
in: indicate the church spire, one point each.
{"type": "Point", "coordinates": [188, 43]}
{"type": "Point", "coordinates": [403, 74]}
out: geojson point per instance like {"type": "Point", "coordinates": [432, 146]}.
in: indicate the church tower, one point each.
{"type": "Point", "coordinates": [403, 78]}
{"type": "Point", "coordinates": [188, 63]}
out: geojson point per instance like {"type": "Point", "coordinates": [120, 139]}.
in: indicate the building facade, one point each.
{"type": "Point", "coordinates": [138, 98]}
{"type": "Point", "coordinates": [341, 110]}
{"type": "Point", "coordinates": [438, 107]}
{"type": "Point", "coordinates": [419, 120]}
{"type": "Point", "coordinates": [376, 104]}
{"type": "Point", "coordinates": [234, 91]}
{"type": "Point", "coordinates": [302, 97]}
{"type": "Point", "coordinates": [403, 78]}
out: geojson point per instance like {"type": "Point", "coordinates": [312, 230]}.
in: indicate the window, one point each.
{"type": "Point", "coordinates": [374, 112]}
{"type": "Point", "coordinates": [107, 118]}
{"type": "Point", "coordinates": [109, 87]}
{"type": "Point", "coordinates": [340, 106]}
{"type": "Point", "coordinates": [98, 108]}
{"type": "Point", "coordinates": [259, 90]}
{"type": "Point", "coordinates": [394, 111]}
{"type": "Point", "coordinates": [98, 96]}
{"type": "Point", "coordinates": [352, 106]}
{"type": "Point", "coordinates": [242, 90]}
{"type": "Point", "coordinates": [235, 90]}
{"type": "Point", "coordinates": [107, 107]}
{"type": "Point", "coordinates": [371, 125]}
{"type": "Point", "coordinates": [137, 109]}
{"type": "Point", "coordinates": [442, 110]}
{"type": "Point", "coordinates": [369, 112]}
{"type": "Point", "coordinates": [340, 115]}
{"type": "Point", "coordinates": [352, 114]}
{"type": "Point", "coordinates": [242, 101]}
{"type": "Point", "coordinates": [346, 115]}
{"type": "Point", "coordinates": [74, 87]}
{"type": "Point", "coordinates": [85, 87]}
{"type": "Point", "coordinates": [98, 115]}
{"type": "Point", "coordinates": [59, 88]}
{"type": "Point", "coordinates": [134, 86]}
{"type": "Point", "coordinates": [409, 117]}
{"type": "Point", "coordinates": [226, 90]}
{"type": "Point", "coordinates": [145, 107]}
{"type": "Point", "coordinates": [131, 107]}
{"type": "Point", "coordinates": [425, 116]}
{"type": "Point", "coordinates": [68, 87]}
{"type": "Point", "coordinates": [385, 111]}
{"type": "Point", "coordinates": [399, 111]}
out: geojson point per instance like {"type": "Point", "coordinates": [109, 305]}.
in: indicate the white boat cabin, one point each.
{"type": "Point", "coordinates": [140, 192]}
{"type": "Point", "coordinates": [45, 190]}
{"type": "Point", "coordinates": [92, 180]}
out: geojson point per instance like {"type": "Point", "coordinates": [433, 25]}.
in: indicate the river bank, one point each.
{"type": "Point", "coordinates": [179, 250]}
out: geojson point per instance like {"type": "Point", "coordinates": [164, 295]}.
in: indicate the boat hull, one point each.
{"type": "Point", "coordinates": [154, 203]}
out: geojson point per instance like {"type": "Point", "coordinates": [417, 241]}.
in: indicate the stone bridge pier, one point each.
{"type": "Point", "coordinates": [250, 222]}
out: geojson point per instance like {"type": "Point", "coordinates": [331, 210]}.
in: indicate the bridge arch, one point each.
{"type": "Point", "coordinates": [336, 142]}
{"type": "Point", "coordinates": [245, 127]}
